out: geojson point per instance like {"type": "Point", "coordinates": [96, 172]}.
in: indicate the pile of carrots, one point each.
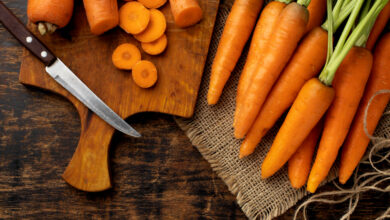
{"type": "Point", "coordinates": [325, 81]}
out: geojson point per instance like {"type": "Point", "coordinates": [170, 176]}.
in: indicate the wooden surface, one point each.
{"type": "Point", "coordinates": [161, 176]}
{"type": "Point", "coordinates": [180, 70]}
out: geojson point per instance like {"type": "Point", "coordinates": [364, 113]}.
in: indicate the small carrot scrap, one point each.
{"type": "Point", "coordinates": [153, 3]}
{"type": "Point", "coordinates": [155, 28]}
{"type": "Point", "coordinates": [102, 15]}
{"type": "Point", "coordinates": [144, 74]}
{"type": "Point", "coordinates": [125, 56]}
{"type": "Point", "coordinates": [155, 47]}
{"type": "Point", "coordinates": [186, 12]}
{"type": "Point", "coordinates": [133, 17]}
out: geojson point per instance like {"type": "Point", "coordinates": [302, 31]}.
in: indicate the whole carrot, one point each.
{"type": "Point", "coordinates": [379, 25]}
{"type": "Point", "coordinates": [357, 140]}
{"type": "Point", "coordinates": [317, 10]}
{"type": "Point", "coordinates": [261, 36]}
{"type": "Point", "coordinates": [102, 15]}
{"type": "Point", "coordinates": [285, 37]}
{"type": "Point", "coordinates": [238, 27]}
{"type": "Point", "coordinates": [300, 162]}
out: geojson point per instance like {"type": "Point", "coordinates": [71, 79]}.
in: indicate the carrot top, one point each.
{"type": "Point", "coordinates": [304, 2]}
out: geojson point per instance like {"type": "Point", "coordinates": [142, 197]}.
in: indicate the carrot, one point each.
{"type": "Point", "coordinates": [289, 30]}
{"type": "Point", "coordinates": [153, 3]}
{"type": "Point", "coordinates": [300, 162]}
{"type": "Point", "coordinates": [379, 25]}
{"type": "Point", "coordinates": [102, 15]}
{"type": "Point", "coordinates": [50, 14]}
{"type": "Point", "coordinates": [317, 9]}
{"type": "Point", "coordinates": [133, 17]}
{"type": "Point", "coordinates": [236, 32]}
{"type": "Point", "coordinates": [155, 28]}
{"type": "Point", "coordinates": [144, 74]}
{"type": "Point", "coordinates": [305, 64]}
{"type": "Point", "coordinates": [261, 36]}
{"type": "Point", "coordinates": [357, 140]}
{"type": "Point", "coordinates": [186, 12]}
{"type": "Point", "coordinates": [125, 56]}
{"type": "Point", "coordinates": [155, 47]}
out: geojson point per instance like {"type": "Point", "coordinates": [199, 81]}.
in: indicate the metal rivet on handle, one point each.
{"type": "Point", "coordinates": [43, 54]}
{"type": "Point", "coordinates": [29, 39]}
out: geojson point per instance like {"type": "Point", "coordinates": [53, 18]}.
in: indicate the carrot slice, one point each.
{"type": "Point", "coordinates": [102, 15]}
{"type": "Point", "coordinates": [186, 12]}
{"type": "Point", "coordinates": [153, 3]}
{"type": "Point", "coordinates": [125, 56]}
{"type": "Point", "coordinates": [144, 74]}
{"type": "Point", "coordinates": [156, 47]}
{"type": "Point", "coordinates": [133, 17]}
{"type": "Point", "coordinates": [155, 29]}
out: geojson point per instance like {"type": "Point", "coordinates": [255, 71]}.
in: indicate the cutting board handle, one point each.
{"type": "Point", "coordinates": [88, 169]}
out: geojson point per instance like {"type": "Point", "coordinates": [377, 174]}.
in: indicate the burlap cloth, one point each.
{"type": "Point", "coordinates": [210, 131]}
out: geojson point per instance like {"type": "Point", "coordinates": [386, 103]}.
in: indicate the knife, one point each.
{"type": "Point", "coordinates": [61, 73]}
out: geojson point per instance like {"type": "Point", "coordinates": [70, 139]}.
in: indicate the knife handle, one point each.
{"type": "Point", "coordinates": [24, 36]}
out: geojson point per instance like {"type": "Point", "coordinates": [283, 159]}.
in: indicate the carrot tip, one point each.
{"type": "Point", "coordinates": [342, 180]}
{"type": "Point", "coordinates": [311, 188]}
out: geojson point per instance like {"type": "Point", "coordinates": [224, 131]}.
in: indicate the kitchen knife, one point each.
{"type": "Point", "coordinates": [61, 73]}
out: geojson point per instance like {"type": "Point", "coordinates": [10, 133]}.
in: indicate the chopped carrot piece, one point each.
{"type": "Point", "coordinates": [155, 29]}
{"type": "Point", "coordinates": [133, 17]}
{"type": "Point", "coordinates": [186, 12]}
{"type": "Point", "coordinates": [125, 56]}
{"type": "Point", "coordinates": [153, 3]}
{"type": "Point", "coordinates": [144, 74]}
{"type": "Point", "coordinates": [102, 15]}
{"type": "Point", "coordinates": [156, 47]}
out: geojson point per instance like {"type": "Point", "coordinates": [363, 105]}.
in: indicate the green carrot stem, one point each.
{"type": "Point", "coordinates": [304, 2]}
{"type": "Point", "coordinates": [330, 31]}
{"type": "Point", "coordinates": [285, 1]}
{"type": "Point", "coordinates": [340, 18]}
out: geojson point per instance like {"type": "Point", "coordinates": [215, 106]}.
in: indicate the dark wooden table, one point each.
{"type": "Point", "coordinates": [158, 176]}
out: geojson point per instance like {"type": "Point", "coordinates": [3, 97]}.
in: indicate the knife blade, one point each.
{"type": "Point", "coordinates": [61, 73]}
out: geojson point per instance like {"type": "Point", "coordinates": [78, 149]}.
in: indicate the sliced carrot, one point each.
{"type": "Point", "coordinates": [155, 47]}
{"type": "Point", "coordinates": [317, 9]}
{"type": "Point", "coordinates": [144, 74]}
{"type": "Point", "coordinates": [133, 17]}
{"type": "Point", "coordinates": [155, 28]}
{"type": "Point", "coordinates": [153, 3]}
{"type": "Point", "coordinates": [186, 12]}
{"type": "Point", "coordinates": [125, 56]}
{"type": "Point", "coordinates": [102, 15]}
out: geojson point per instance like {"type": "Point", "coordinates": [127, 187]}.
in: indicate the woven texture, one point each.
{"type": "Point", "coordinates": [211, 132]}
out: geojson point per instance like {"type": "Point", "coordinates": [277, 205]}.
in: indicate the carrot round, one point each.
{"type": "Point", "coordinates": [102, 15]}
{"type": "Point", "coordinates": [261, 36]}
{"type": "Point", "coordinates": [238, 27]}
{"type": "Point", "coordinates": [357, 140]}
{"type": "Point", "coordinates": [317, 9]}
{"type": "Point", "coordinates": [50, 12]}
{"type": "Point", "coordinates": [125, 56]}
{"type": "Point", "coordinates": [300, 162]}
{"type": "Point", "coordinates": [290, 29]}
{"type": "Point", "coordinates": [305, 64]}
{"type": "Point", "coordinates": [155, 28]}
{"type": "Point", "coordinates": [133, 17]}
{"type": "Point", "coordinates": [144, 74]}
{"type": "Point", "coordinates": [155, 47]}
{"type": "Point", "coordinates": [349, 82]}
{"type": "Point", "coordinates": [378, 27]}
{"type": "Point", "coordinates": [186, 12]}
{"type": "Point", "coordinates": [153, 3]}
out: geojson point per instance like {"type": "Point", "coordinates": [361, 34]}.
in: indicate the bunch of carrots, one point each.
{"type": "Point", "coordinates": [326, 82]}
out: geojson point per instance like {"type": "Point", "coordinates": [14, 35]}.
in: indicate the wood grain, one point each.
{"type": "Point", "coordinates": [180, 70]}
{"type": "Point", "coordinates": [161, 176]}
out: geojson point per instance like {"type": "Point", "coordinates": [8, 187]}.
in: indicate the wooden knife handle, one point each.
{"type": "Point", "coordinates": [24, 36]}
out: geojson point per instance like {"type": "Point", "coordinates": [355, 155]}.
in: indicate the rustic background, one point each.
{"type": "Point", "coordinates": [158, 176]}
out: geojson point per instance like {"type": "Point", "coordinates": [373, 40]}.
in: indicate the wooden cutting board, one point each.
{"type": "Point", "coordinates": [180, 70]}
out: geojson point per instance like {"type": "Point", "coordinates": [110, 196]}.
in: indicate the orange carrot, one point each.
{"type": "Point", "coordinates": [144, 74]}
{"type": "Point", "coordinates": [102, 15]}
{"type": "Point", "coordinates": [351, 78]}
{"type": "Point", "coordinates": [302, 67]}
{"type": "Point", "coordinates": [50, 12]}
{"type": "Point", "coordinates": [125, 56]}
{"type": "Point", "coordinates": [300, 162]}
{"type": "Point", "coordinates": [291, 26]}
{"type": "Point", "coordinates": [379, 25]}
{"type": "Point", "coordinates": [317, 9]}
{"type": "Point", "coordinates": [186, 12]}
{"type": "Point", "coordinates": [153, 3]}
{"type": "Point", "coordinates": [310, 105]}
{"type": "Point", "coordinates": [133, 17]}
{"type": "Point", "coordinates": [236, 32]}
{"type": "Point", "coordinates": [357, 140]}
{"type": "Point", "coordinates": [155, 47]}
{"type": "Point", "coordinates": [261, 36]}
{"type": "Point", "coordinates": [155, 28]}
